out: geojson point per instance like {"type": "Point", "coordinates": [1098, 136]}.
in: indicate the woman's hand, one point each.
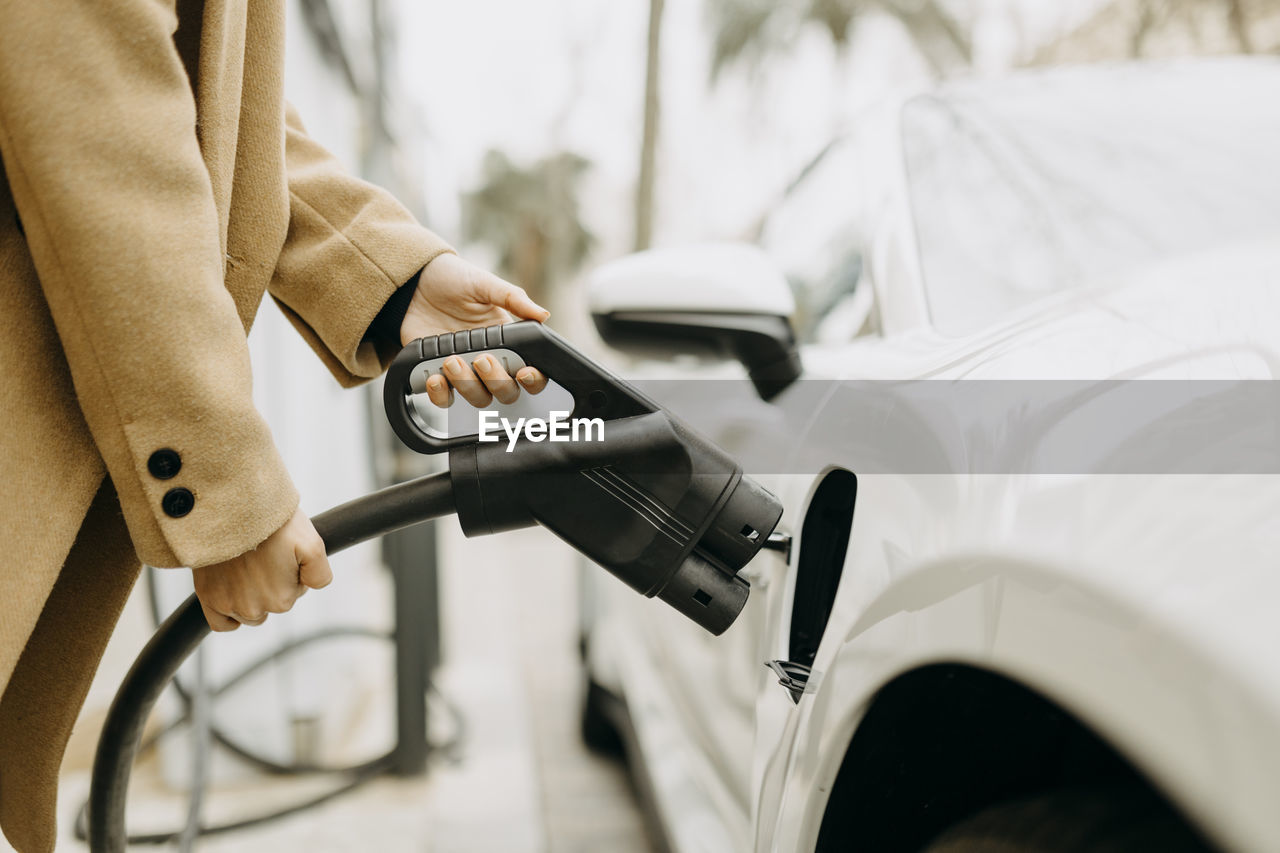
{"type": "Point", "coordinates": [268, 579]}
{"type": "Point", "coordinates": [453, 294]}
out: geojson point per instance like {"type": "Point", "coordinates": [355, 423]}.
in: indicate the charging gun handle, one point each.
{"type": "Point", "coordinates": [597, 393]}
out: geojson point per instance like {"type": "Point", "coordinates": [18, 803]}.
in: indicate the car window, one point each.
{"type": "Point", "coordinates": [1050, 181]}
{"type": "Point", "coordinates": [811, 232]}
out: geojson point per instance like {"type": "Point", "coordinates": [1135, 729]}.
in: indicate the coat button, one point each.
{"type": "Point", "coordinates": [178, 502]}
{"type": "Point", "coordinates": [164, 464]}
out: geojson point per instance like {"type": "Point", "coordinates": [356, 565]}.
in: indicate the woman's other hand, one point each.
{"type": "Point", "coordinates": [268, 579]}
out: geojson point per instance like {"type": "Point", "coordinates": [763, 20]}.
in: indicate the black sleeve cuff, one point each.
{"type": "Point", "coordinates": [384, 331]}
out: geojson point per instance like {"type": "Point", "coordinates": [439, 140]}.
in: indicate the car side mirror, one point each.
{"type": "Point", "coordinates": [721, 301]}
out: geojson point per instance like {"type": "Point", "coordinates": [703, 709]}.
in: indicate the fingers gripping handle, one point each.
{"type": "Point", "coordinates": [596, 392]}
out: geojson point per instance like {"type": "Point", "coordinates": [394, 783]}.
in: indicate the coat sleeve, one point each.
{"type": "Point", "coordinates": [350, 247]}
{"type": "Point", "coordinates": [98, 140]}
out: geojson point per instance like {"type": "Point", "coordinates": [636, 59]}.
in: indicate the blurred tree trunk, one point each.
{"type": "Point", "coordinates": [1239, 25]}
{"type": "Point", "coordinates": [1148, 17]}
{"type": "Point", "coordinates": [531, 259]}
{"type": "Point", "coordinates": [940, 40]}
{"type": "Point", "coordinates": [649, 137]}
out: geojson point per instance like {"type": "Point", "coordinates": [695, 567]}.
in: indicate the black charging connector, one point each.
{"type": "Point", "coordinates": [648, 498]}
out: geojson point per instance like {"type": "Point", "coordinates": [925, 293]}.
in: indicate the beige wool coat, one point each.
{"type": "Point", "coordinates": [154, 186]}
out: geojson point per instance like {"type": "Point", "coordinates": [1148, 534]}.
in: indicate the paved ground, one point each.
{"type": "Point", "coordinates": [523, 782]}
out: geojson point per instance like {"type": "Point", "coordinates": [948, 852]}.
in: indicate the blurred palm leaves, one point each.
{"type": "Point", "coordinates": [748, 31]}
{"type": "Point", "coordinates": [531, 216]}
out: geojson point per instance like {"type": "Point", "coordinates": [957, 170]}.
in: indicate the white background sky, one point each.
{"type": "Point", "coordinates": [530, 78]}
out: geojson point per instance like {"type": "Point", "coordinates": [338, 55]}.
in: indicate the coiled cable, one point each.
{"type": "Point", "coordinates": [103, 817]}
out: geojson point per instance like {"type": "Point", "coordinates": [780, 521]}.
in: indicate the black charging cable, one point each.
{"type": "Point", "coordinates": [101, 819]}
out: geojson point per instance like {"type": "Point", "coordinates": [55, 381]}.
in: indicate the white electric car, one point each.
{"type": "Point", "coordinates": [1042, 622]}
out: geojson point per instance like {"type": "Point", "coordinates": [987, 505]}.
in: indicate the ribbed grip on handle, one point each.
{"type": "Point", "coordinates": [596, 392]}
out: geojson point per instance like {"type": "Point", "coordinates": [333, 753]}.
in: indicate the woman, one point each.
{"type": "Point", "coordinates": [155, 185]}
